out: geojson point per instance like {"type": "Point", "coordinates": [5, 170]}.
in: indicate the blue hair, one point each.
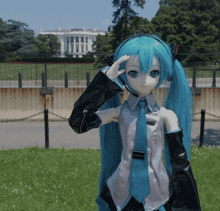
{"type": "Point", "coordinates": [146, 48]}
{"type": "Point", "coordinates": [179, 100]}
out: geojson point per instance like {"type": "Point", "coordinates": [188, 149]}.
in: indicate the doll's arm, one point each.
{"type": "Point", "coordinates": [185, 196]}
{"type": "Point", "coordinates": [103, 87]}
{"type": "Point", "coordinates": [84, 117]}
{"type": "Point", "coordinates": [109, 115]}
{"type": "Point", "coordinates": [170, 119]}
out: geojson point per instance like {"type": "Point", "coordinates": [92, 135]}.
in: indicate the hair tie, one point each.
{"type": "Point", "coordinates": [175, 50]}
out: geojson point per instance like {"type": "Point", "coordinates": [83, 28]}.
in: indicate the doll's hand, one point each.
{"type": "Point", "coordinates": [113, 72]}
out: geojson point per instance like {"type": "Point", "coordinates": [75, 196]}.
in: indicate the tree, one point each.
{"type": "Point", "coordinates": [16, 39]}
{"type": "Point", "coordinates": [194, 24]}
{"type": "Point", "coordinates": [47, 45]}
{"type": "Point", "coordinates": [2, 47]}
{"type": "Point", "coordinates": [173, 25]}
{"type": "Point", "coordinates": [122, 18]}
{"type": "Point", "coordinates": [16, 36]}
{"type": "Point", "coordinates": [102, 48]}
{"type": "Point", "coordinates": [139, 25]}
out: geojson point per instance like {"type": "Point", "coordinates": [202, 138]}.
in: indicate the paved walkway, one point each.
{"type": "Point", "coordinates": [16, 135]}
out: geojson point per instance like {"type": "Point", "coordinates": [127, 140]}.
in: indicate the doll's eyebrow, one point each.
{"type": "Point", "coordinates": [133, 65]}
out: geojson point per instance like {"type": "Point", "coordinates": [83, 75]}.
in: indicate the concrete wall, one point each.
{"type": "Point", "coordinates": [17, 103]}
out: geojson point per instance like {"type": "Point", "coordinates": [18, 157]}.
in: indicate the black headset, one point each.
{"type": "Point", "coordinates": [174, 48]}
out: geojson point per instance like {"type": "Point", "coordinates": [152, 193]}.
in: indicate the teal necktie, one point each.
{"type": "Point", "coordinates": [139, 183]}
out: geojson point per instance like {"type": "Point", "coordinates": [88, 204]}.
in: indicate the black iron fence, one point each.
{"type": "Point", "coordinates": [46, 74]}
{"type": "Point", "coordinates": [203, 74]}
{"type": "Point", "coordinates": [79, 74]}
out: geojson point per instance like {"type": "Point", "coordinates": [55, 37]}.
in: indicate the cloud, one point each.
{"type": "Point", "coordinates": [106, 22]}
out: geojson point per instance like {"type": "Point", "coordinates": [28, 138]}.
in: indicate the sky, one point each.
{"type": "Point", "coordinates": [66, 14]}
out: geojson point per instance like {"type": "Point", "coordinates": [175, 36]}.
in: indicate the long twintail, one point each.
{"type": "Point", "coordinates": [179, 100]}
{"type": "Point", "coordinates": [111, 148]}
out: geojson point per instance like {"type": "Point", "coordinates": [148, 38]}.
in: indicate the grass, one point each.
{"type": "Point", "coordinates": [206, 167]}
{"type": "Point", "coordinates": [202, 71]}
{"type": "Point", "coordinates": [55, 180]}
{"type": "Point", "coordinates": [63, 180]}
{"type": "Point", "coordinates": [54, 71]}
{"type": "Point", "coordinates": [76, 71]}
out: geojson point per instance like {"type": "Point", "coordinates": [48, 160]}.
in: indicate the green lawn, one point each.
{"type": "Point", "coordinates": [66, 180]}
{"type": "Point", "coordinates": [54, 71]}
{"type": "Point", "coordinates": [202, 71]}
{"type": "Point", "coordinates": [76, 71]}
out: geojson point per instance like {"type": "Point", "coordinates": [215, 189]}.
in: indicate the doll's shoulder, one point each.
{"type": "Point", "coordinates": [170, 119]}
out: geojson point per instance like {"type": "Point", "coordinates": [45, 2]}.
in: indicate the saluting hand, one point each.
{"type": "Point", "coordinates": [113, 72]}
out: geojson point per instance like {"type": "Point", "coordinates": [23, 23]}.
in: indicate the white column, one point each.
{"type": "Point", "coordinates": [85, 45]}
{"type": "Point", "coordinates": [80, 45]}
{"type": "Point", "coordinates": [69, 44]}
{"type": "Point", "coordinates": [74, 45]}
{"type": "Point", "coordinates": [62, 46]}
{"type": "Point", "coordinates": [65, 44]}
{"type": "Point", "coordinates": [90, 44]}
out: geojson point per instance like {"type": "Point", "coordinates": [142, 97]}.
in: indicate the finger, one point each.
{"type": "Point", "coordinates": [120, 72]}
{"type": "Point", "coordinates": [104, 71]}
{"type": "Point", "coordinates": [122, 59]}
{"type": "Point", "coordinates": [151, 118]}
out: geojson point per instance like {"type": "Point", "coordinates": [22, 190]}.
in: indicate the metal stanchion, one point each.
{"type": "Point", "coordinates": [43, 80]}
{"type": "Point", "coordinates": [88, 78]}
{"type": "Point", "coordinates": [202, 127]}
{"type": "Point", "coordinates": [66, 79]}
{"type": "Point", "coordinates": [20, 80]}
{"type": "Point", "coordinates": [46, 126]}
{"type": "Point", "coordinates": [45, 74]}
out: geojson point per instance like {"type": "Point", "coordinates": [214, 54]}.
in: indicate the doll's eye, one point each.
{"type": "Point", "coordinates": [154, 73]}
{"type": "Point", "coordinates": [133, 73]}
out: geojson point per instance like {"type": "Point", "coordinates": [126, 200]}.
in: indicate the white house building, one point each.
{"type": "Point", "coordinates": [75, 41]}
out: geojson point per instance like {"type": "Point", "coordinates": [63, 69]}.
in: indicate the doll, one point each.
{"type": "Point", "coordinates": [133, 135]}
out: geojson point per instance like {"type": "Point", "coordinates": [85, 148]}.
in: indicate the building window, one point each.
{"type": "Point", "coordinates": [72, 48]}
{"type": "Point", "coordinates": [77, 39]}
{"type": "Point", "coordinates": [86, 39]}
{"type": "Point", "coordinates": [82, 39]}
{"type": "Point", "coordinates": [71, 39]}
{"type": "Point", "coordinates": [67, 39]}
{"type": "Point", "coordinates": [77, 48]}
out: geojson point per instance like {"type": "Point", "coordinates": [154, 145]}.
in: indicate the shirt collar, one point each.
{"type": "Point", "coordinates": [133, 101]}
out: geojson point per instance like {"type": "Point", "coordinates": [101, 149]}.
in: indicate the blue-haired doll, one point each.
{"type": "Point", "coordinates": [136, 135]}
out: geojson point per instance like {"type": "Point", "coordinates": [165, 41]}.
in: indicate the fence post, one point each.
{"type": "Point", "coordinates": [214, 78]}
{"type": "Point", "coordinates": [45, 74]}
{"type": "Point", "coordinates": [202, 127]}
{"type": "Point", "coordinates": [66, 79]}
{"type": "Point", "coordinates": [194, 79]}
{"type": "Point", "coordinates": [20, 80]}
{"type": "Point", "coordinates": [36, 71]}
{"type": "Point", "coordinates": [46, 127]}
{"type": "Point", "coordinates": [43, 79]}
{"type": "Point", "coordinates": [87, 78]}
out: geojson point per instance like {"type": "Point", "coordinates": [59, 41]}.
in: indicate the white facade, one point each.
{"type": "Point", "coordinates": [76, 42]}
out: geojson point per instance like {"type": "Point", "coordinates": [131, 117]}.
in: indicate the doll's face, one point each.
{"type": "Point", "coordinates": [142, 83]}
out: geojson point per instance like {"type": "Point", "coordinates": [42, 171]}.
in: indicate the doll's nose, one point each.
{"type": "Point", "coordinates": [145, 79]}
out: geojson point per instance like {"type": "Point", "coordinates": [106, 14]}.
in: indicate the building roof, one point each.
{"type": "Point", "coordinates": [72, 30]}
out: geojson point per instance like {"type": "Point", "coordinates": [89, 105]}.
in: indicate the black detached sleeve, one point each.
{"type": "Point", "coordinates": [83, 117]}
{"type": "Point", "coordinates": [185, 196]}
